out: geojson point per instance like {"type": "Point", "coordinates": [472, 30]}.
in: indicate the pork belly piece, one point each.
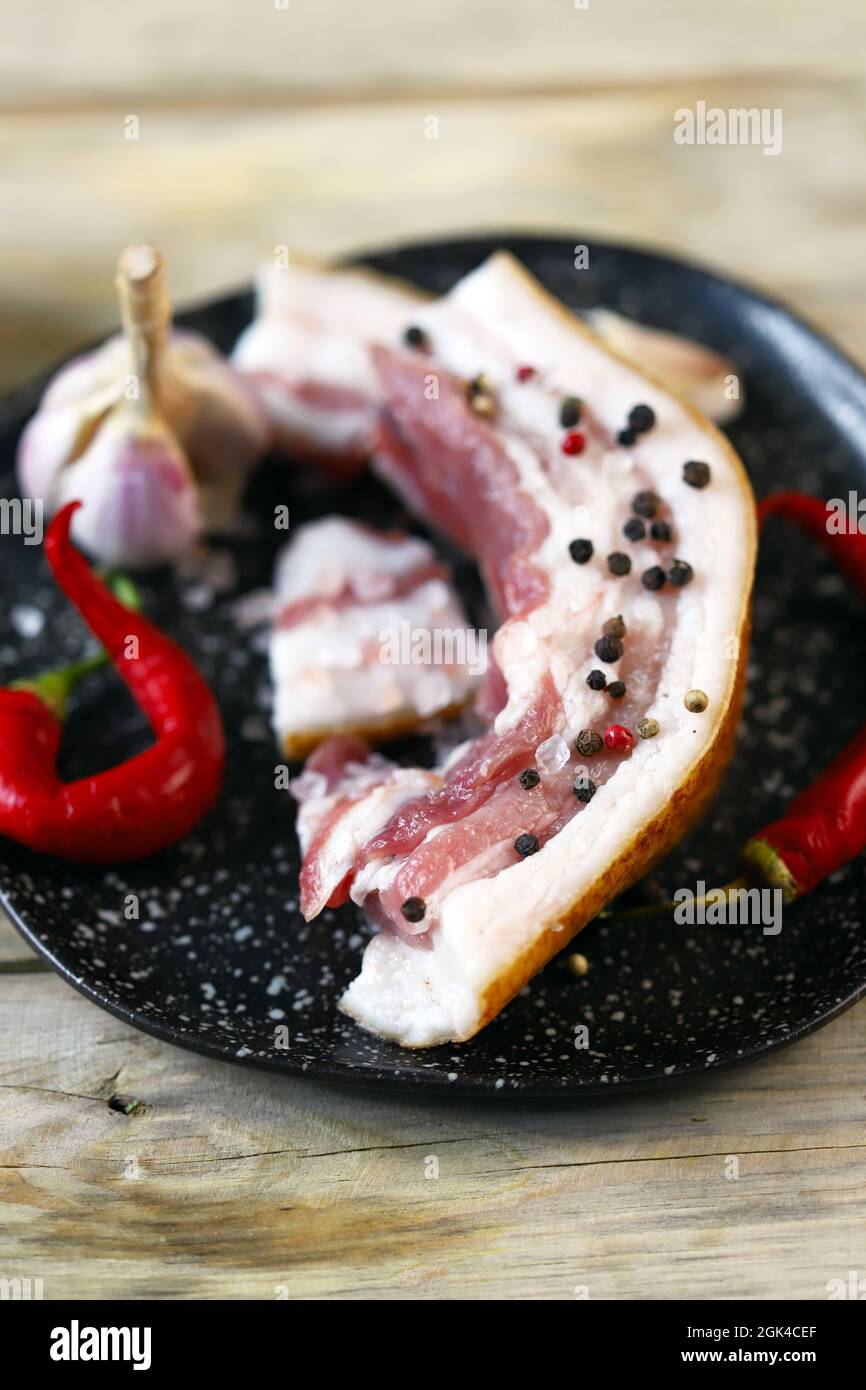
{"type": "Point", "coordinates": [475, 882]}
{"type": "Point", "coordinates": [343, 792]}
{"type": "Point", "coordinates": [307, 353]}
{"type": "Point", "coordinates": [702, 377]}
{"type": "Point", "coordinates": [369, 637]}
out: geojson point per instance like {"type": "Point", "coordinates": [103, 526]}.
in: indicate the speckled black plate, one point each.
{"type": "Point", "coordinates": [219, 959]}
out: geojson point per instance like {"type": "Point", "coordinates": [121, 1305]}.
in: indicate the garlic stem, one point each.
{"type": "Point", "coordinates": [145, 312]}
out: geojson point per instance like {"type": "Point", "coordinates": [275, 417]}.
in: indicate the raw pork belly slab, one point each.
{"type": "Point", "coordinates": [530, 454]}
{"type": "Point", "coordinates": [308, 355]}
{"type": "Point", "coordinates": [700, 376]}
{"type": "Point", "coordinates": [369, 636]}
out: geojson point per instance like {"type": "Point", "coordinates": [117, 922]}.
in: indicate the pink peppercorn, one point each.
{"type": "Point", "coordinates": [618, 738]}
{"type": "Point", "coordinates": [574, 442]}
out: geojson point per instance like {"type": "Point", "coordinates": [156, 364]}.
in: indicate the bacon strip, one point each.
{"type": "Point", "coordinates": [343, 787]}
{"type": "Point", "coordinates": [473, 493]}
{"type": "Point", "coordinates": [370, 636]}
{"type": "Point", "coordinates": [307, 354]}
{"type": "Point", "coordinates": [484, 865]}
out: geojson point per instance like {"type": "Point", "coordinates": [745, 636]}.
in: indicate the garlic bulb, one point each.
{"type": "Point", "coordinates": [154, 432]}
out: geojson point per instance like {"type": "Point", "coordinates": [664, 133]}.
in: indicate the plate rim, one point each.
{"type": "Point", "coordinates": [400, 1083]}
{"type": "Point", "coordinates": [434, 1083]}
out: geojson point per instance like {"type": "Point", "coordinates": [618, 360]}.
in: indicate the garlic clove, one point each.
{"type": "Point", "coordinates": [140, 500]}
{"type": "Point", "coordinates": [694, 372]}
{"type": "Point", "coordinates": [48, 442]}
{"type": "Point", "coordinates": [103, 373]}
{"type": "Point", "coordinates": [71, 410]}
{"type": "Point", "coordinates": [213, 408]}
{"type": "Point", "coordinates": [218, 417]}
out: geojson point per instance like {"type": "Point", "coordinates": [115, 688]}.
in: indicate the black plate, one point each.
{"type": "Point", "coordinates": [220, 957]}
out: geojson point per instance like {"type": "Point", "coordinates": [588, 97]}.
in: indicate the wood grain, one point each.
{"type": "Point", "coordinates": [304, 51]}
{"type": "Point", "coordinates": [304, 124]}
{"type": "Point", "coordinates": [218, 188]}
{"type": "Point", "coordinates": [228, 1184]}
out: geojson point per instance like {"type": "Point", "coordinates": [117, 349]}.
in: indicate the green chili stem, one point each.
{"type": "Point", "coordinates": [610, 914]}
{"type": "Point", "coordinates": [54, 687]}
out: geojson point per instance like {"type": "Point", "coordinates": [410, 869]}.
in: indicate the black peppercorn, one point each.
{"type": "Point", "coordinates": [696, 474]}
{"type": "Point", "coordinates": [618, 563]}
{"type": "Point", "coordinates": [608, 649]}
{"type": "Point", "coordinates": [680, 573]}
{"type": "Point", "coordinates": [570, 411]}
{"type": "Point", "coordinates": [526, 844]}
{"type": "Point", "coordinates": [588, 743]}
{"type": "Point", "coordinates": [580, 551]}
{"type": "Point", "coordinates": [413, 909]}
{"type": "Point", "coordinates": [529, 778]}
{"type": "Point", "coordinates": [645, 503]}
{"type": "Point", "coordinates": [627, 438]}
{"type": "Point", "coordinates": [653, 578]}
{"type": "Point", "coordinates": [415, 337]}
{"type": "Point", "coordinates": [585, 789]}
{"type": "Point", "coordinates": [634, 529]}
{"type": "Point", "coordinates": [641, 418]}
{"type": "Point", "coordinates": [596, 680]}
{"type": "Point", "coordinates": [660, 531]}
{"type": "Point", "coordinates": [616, 690]}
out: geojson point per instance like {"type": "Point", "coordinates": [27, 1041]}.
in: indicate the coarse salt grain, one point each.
{"type": "Point", "coordinates": [553, 754]}
{"type": "Point", "coordinates": [26, 620]}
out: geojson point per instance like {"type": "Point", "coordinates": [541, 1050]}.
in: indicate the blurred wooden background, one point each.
{"type": "Point", "coordinates": [304, 124]}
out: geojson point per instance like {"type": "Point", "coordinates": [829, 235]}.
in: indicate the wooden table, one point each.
{"type": "Point", "coordinates": [305, 125]}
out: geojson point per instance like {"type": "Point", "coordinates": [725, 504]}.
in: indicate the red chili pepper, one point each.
{"type": "Point", "coordinates": [847, 548]}
{"type": "Point", "coordinates": [825, 826]}
{"type": "Point", "coordinates": [143, 805]}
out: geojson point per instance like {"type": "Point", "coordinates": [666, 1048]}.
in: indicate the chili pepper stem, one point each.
{"type": "Point", "coordinates": [127, 591]}
{"type": "Point", "coordinates": [609, 914]}
{"type": "Point", "coordinates": [54, 687]}
{"type": "Point", "coordinates": [765, 865]}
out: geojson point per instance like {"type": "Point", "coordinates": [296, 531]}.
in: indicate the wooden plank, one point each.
{"type": "Point", "coordinates": [16, 956]}
{"type": "Point", "coordinates": [218, 189]}
{"type": "Point", "coordinates": [291, 50]}
{"type": "Point", "coordinates": [258, 1187]}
